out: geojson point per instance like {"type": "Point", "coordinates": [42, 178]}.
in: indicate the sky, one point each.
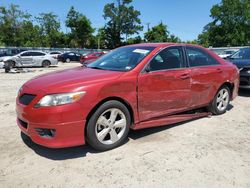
{"type": "Point", "coordinates": [184, 18]}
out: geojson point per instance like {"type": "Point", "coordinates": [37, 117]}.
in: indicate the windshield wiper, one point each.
{"type": "Point", "coordinates": [96, 68]}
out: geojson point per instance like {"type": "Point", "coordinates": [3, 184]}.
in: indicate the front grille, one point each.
{"type": "Point", "coordinates": [26, 99]}
{"type": "Point", "coordinates": [23, 123]}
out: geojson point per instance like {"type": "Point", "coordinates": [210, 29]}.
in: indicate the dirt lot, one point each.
{"type": "Point", "coordinates": [208, 152]}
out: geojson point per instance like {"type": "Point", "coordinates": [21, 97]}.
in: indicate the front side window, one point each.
{"type": "Point", "coordinates": [197, 57]}
{"type": "Point", "coordinates": [169, 58]}
{"type": "Point", "coordinates": [122, 59]}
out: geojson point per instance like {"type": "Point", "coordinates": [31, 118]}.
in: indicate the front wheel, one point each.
{"type": "Point", "coordinates": [108, 127]}
{"type": "Point", "coordinates": [220, 102]}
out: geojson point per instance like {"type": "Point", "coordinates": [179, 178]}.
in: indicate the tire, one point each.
{"type": "Point", "coordinates": [10, 64]}
{"type": "Point", "coordinates": [108, 127]}
{"type": "Point", "coordinates": [46, 63]}
{"type": "Point", "coordinates": [221, 101]}
{"type": "Point", "coordinates": [67, 60]}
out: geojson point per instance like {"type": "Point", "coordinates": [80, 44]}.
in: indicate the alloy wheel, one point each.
{"type": "Point", "coordinates": [110, 126]}
{"type": "Point", "coordinates": [222, 99]}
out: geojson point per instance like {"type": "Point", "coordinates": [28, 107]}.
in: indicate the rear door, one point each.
{"type": "Point", "coordinates": [38, 58]}
{"type": "Point", "coordinates": [206, 75]}
{"type": "Point", "coordinates": [165, 88]}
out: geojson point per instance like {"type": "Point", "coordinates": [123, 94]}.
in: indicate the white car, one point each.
{"type": "Point", "coordinates": [1, 64]}
{"type": "Point", "coordinates": [55, 54]}
{"type": "Point", "coordinates": [30, 58]}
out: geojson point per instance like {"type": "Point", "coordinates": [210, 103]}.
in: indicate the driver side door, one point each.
{"type": "Point", "coordinates": [165, 88]}
{"type": "Point", "coordinates": [26, 59]}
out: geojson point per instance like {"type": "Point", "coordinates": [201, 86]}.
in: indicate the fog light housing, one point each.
{"type": "Point", "coordinates": [46, 133]}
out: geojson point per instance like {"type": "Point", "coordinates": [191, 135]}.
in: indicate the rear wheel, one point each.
{"type": "Point", "coordinates": [108, 127]}
{"type": "Point", "coordinates": [220, 102]}
{"type": "Point", "coordinates": [46, 63]}
{"type": "Point", "coordinates": [68, 60]}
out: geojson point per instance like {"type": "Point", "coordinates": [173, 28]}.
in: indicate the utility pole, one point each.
{"type": "Point", "coordinates": [148, 25]}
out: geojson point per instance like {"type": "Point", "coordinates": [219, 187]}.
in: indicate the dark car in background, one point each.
{"type": "Point", "coordinates": [88, 58]}
{"type": "Point", "coordinates": [242, 60]}
{"type": "Point", "coordinates": [69, 56]}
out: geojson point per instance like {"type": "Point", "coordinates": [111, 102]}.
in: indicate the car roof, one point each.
{"type": "Point", "coordinates": [162, 45]}
{"type": "Point", "coordinates": [33, 51]}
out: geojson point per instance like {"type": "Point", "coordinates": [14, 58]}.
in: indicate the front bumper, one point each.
{"type": "Point", "coordinates": [66, 121]}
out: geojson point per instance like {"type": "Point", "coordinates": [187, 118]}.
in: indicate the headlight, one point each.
{"type": "Point", "coordinates": [60, 99]}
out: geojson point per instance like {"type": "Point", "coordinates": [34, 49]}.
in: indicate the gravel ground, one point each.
{"type": "Point", "coordinates": [208, 152]}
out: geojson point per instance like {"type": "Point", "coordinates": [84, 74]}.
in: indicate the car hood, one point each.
{"type": "Point", "coordinates": [70, 79]}
{"type": "Point", "coordinates": [5, 58]}
{"type": "Point", "coordinates": [241, 63]}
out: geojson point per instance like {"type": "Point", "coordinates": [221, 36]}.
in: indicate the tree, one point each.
{"type": "Point", "coordinates": [30, 35]}
{"type": "Point", "coordinates": [134, 40]}
{"type": "Point", "coordinates": [230, 25]}
{"type": "Point", "coordinates": [122, 20]}
{"type": "Point", "coordinates": [81, 29]}
{"type": "Point", "coordinates": [49, 29]}
{"type": "Point", "coordinates": [11, 22]}
{"type": "Point", "coordinates": [160, 33]}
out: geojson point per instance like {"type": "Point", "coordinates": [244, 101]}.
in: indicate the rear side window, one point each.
{"type": "Point", "coordinates": [197, 57]}
{"type": "Point", "coordinates": [37, 54]}
{"type": "Point", "coordinates": [169, 58]}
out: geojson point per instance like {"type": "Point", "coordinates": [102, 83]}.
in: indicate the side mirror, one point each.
{"type": "Point", "coordinates": [19, 56]}
{"type": "Point", "coordinates": [147, 68]}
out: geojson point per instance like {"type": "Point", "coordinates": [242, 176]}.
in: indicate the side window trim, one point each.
{"type": "Point", "coordinates": [185, 62]}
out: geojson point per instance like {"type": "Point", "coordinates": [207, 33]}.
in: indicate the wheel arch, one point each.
{"type": "Point", "coordinates": [230, 86]}
{"type": "Point", "coordinates": [128, 106]}
{"type": "Point", "coordinates": [46, 60]}
{"type": "Point", "coordinates": [11, 60]}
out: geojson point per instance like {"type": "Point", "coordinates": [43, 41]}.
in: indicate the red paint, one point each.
{"type": "Point", "coordinates": [154, 97]}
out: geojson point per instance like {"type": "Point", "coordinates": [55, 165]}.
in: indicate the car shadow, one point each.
{"type": "Point", "coordinates": [244, 92]}
{"type": "Point", "coordinates": [57, 154]}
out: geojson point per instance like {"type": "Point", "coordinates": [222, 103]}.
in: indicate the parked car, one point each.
{"type": "Point", "coordinates": [69, 56]}
{"type": "Point", "coordinates": [132, 87]}
{"type": "Point", "coordinates": [1, 64]}
{"type": "Point", "coordinates": [227, 53]}
{"type": "Point", "coordinates": [55, 54]}
{"type": "Point", "coordinates": [90, 57]}
{"type": "Point", "coordinates": [29, 58]}
{"type": "Point", "coordinates": [9, 52]}
{"type": "Point", "coordinates": [242, 60]}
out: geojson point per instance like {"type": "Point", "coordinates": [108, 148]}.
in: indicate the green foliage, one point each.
{"type": "Point", "coordinates": [49, 29]}
{"type": "Point", "coordinates": [135, 40]}
{"type": "Point", "coordinates": [230, 25]}
{"type": "Point", "coordinates": [160, 33]}
{"type": "Point", "coordinates": [81, 29]}
{"type": "Point", "coordinates": [122, 20]}
{"type": "Point", "coordinates": [11, 22]}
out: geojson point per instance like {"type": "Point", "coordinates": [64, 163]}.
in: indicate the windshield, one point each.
{"type": "Point", "coordinates": [242, 54]}
{"type": "Point", "coordinates": [122, 59]}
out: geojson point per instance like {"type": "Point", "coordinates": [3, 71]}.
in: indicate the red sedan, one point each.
{"type": "Point", "coordinates": [90, 57]}
{"type": "Point", "coordinates": [132, 87]}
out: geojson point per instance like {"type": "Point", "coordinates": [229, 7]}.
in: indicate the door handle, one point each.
{"type": "Point", "coordinates": [184, 76]}
{"type": "Point", "coordinates": [219, 70]}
